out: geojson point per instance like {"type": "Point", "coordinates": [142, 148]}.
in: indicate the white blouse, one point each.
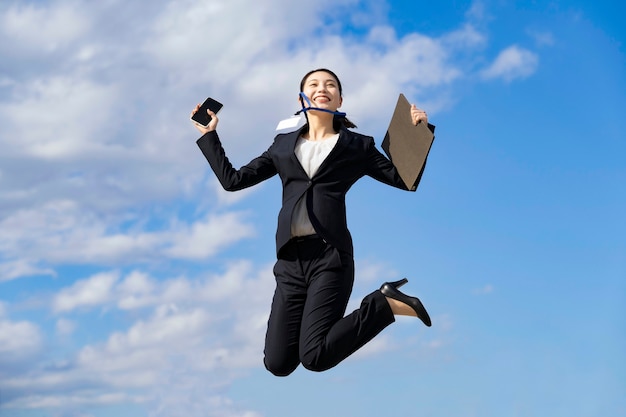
{"type": "Point", "coordinates": [311, 154]}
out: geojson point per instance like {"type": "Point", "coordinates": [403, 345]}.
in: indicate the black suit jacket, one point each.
{"type": "Point", "coordinates": [353, 156]}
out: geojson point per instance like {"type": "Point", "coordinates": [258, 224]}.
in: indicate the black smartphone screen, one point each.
{"type": "Point", "coordinates": [201, 116]}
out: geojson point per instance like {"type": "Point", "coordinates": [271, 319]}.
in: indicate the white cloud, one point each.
{"type": "Point", "coordinates": [435, 344]}
{"type": "Point", "coordinates": [204, 238]}
{"type": "Point", "coordinates": [477, 11]}
{"type": "Point", "coordinates": [468, 36]}
{"type": "Point", "coordinates": [380, 344]}
{"type": "Point", "coordinates": [135, 291]}
{"type": "Point", "coordinates": [198, 334]}
{"type": "Point", "coordinates": [542, 38]}
{"type": "Point", "coordinates": [21, 267]}
{"type": "Point", "coordinates": [63, 232]}
{"type": "Point", "coordinates": [94, 291]}
{"type": "Point", "coordinates": [58, 118]}
{"type": "Point", "coordinates": [487, 289]}
{"type": "Point", "coordinates": [65, 327]}
{"type": "Point", "coordinates": [64, 401]}
{"type": "Point", "coordinates": [18, 339]}
{"type": "Point", "coordinates": [43, 29]}
{"type": "Point", "coordinates": [228, 198]}
{"type": "Point", "coordinates": [374, 273]}
{"type": "Point", "coordinates": [512, 63]}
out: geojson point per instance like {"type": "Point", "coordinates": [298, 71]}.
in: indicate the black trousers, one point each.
{"type": "Point", "coordinates": [307, 324]}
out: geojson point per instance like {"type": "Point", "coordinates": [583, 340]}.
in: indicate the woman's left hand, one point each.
{"type": "Point", "coordinates": [418, 115]}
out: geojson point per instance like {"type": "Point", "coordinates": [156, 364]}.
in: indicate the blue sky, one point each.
{"type": "Point", "coordinates": [132, 285]}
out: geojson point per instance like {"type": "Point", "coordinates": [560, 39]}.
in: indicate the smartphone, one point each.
{"type": "Point", "coordinates": [201, 117]}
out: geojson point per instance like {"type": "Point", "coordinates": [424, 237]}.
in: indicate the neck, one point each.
{"type": "Point", "coordinates": [320, 126]}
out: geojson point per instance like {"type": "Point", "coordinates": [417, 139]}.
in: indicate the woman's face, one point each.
{"type": "Point", "coordinates": [323, 91]}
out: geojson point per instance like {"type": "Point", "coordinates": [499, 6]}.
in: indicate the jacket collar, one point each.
{"type": "Point", "coordinates": [293, 136]}
{"type": "Point", "coordinates": [339, 146]}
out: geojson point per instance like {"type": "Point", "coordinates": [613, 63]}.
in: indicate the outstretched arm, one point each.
{"type": "Point", "coordinates": [383, 170]}
{"type": "Point", "coordinates": [257, 170]}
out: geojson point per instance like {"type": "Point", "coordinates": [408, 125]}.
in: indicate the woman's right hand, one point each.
{"type": "Point", "coordinates": [212, 124]}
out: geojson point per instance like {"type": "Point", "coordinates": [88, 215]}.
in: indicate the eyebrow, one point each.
{"type": "Point", "coordinates": [327, 80]}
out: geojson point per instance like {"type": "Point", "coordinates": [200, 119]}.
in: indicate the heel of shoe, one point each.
{"type": "Point", "coordinates": [397, 284]}
{"type": "Point", "coordinates": [389, 289]}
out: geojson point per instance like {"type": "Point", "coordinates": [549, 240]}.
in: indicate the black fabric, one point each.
{"type": "Point", "coordinates": [353, 157]}
{"type": "Point", "coordinates": [314, 276]}
{"type": "Point", "coordinates": [307, 324]}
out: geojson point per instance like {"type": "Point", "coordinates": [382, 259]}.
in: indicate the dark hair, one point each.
{"type": "Point", "coordinates": [338, 121]}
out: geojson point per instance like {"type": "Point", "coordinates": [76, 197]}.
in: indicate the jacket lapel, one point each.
{"type": "Point", "coordinates": [339, 147]}
{"type": "Point", "coordinates": [293, 140]}
{"type": "Point", "coordinates": [341, 144]}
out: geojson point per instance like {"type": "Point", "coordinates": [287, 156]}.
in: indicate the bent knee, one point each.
{"type": "Point", "coordinates": [280, 368]}
{"type": "Point", "coordinates": [317, 365]}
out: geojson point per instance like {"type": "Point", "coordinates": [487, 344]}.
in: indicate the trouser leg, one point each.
{"type": "Point", "coordinates": [306, 324]}
{"type": "Point", "coordinates": [281, 356]}
{"type": "Point", "coordinates": [327, 337]}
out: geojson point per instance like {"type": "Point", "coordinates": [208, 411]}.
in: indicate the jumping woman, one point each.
{"type": "Point", "coordinates": [314, 271]}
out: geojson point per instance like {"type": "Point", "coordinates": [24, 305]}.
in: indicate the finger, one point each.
{"type": "Point", "coordinates": [419, 116]}
{"type": "Point", "coordinates": [214, 120]}
{"type": "Point", "coordinates": [419, 120]}
{"type": "Point", "coordinates": [416, 117]}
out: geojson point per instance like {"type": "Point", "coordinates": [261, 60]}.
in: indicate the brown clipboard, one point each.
{"type": "Point", "coordinates": [407, 145]}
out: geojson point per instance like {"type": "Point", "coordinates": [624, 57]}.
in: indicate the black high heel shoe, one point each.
{"type": "Point", "coordinates": [390, 289]}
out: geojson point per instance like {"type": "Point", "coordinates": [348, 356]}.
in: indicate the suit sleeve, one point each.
{"type": "Point", "coordinates": [382, 169]}
{"type": "Point", "coordinates": [256, 171]}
